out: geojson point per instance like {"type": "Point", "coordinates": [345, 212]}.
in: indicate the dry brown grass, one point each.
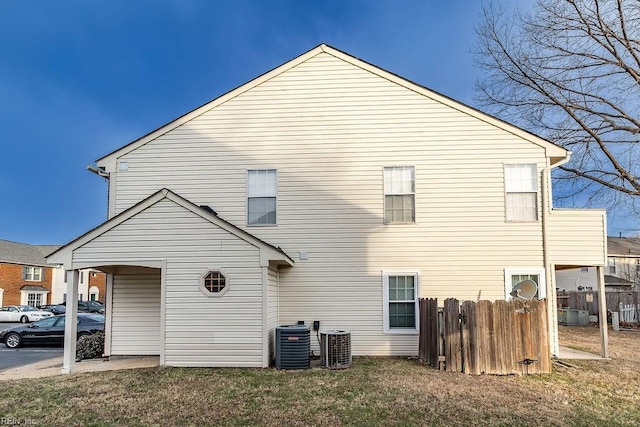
{"type": "Point", "coordinates": [372, 392]}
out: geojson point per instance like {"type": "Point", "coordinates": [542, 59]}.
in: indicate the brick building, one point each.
{"type": "Point", "coordinates": [25, 277]}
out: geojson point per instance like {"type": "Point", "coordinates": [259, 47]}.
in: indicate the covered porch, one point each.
{"type": "Point", "coordinates": [576, 238]}
{"type": "Point", "coordinates": [182, 284]}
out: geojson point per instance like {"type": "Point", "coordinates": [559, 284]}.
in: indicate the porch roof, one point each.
{"type": "Point", "coordinates": [268, 252]}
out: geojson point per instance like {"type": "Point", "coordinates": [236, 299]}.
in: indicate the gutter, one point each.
{"type": "Point", "coordinates": [98, 171]}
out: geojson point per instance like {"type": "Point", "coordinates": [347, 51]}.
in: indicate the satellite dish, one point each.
{"type": "Point", "coordinates": [525, 290]}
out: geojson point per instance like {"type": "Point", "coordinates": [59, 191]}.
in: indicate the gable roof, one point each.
{"type": "Point", "coordinates": [24, 253]}
{"type": "Point", "coordinates": [618, 281]}
{"type": "Point", "coordinates": [623, 246]}
{"type": "Point", "coordinates": [204, 212]}
{"type": "Point", "coordinates": [555, 152]}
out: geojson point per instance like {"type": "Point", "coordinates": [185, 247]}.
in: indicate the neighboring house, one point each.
{"type": "Point", "coordinates": [91, 286]}
{"type": "Point", "coordinates": [622, 271]}
{"type": "Point", "coordinates": [25, 277]}
{"type": "Point", "coordinates": [325, 190]}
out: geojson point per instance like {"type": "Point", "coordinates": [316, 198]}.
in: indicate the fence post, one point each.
{"type": "Point", "coordinates": [470, 338]}
{"type": "Point", "coordinates": [452, 335]}
{"type": "Point", "coordinates": [421, 333]}
{"type": "Point", "coordinates": [615, 321]}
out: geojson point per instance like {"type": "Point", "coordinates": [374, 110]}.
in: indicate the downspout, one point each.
{"type": "Point", "coordinates": [552, 315]}
{"type": "Point", "coordinates": [100, 171]}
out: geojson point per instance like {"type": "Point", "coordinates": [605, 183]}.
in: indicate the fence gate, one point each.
{"type": "Point", "coordinates": [503, 337]}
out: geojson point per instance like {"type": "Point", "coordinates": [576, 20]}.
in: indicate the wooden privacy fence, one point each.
{"type": "Point", "coordinates": [503, 337]}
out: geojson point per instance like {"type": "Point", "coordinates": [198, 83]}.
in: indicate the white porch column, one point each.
{"type": "Point", "coordinates": [602, 308]}
{"type": "Point", "coordinates": [107, 314]}
{"type": "Point", "coordinates": [71, 322]}
{"type": "Point", "coordinates": [552, 311]}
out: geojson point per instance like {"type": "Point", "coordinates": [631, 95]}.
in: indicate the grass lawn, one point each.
{"type": "Point", "coordinates": [372, 392]}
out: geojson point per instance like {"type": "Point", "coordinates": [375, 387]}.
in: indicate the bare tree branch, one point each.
{"type": "Point", "coordinates": [570, 72]}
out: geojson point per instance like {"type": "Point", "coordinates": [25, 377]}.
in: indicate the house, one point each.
{"type": "Point", "coordinates": [621, 273]}
{"type": "Point", "coordinates": [27, 279]}
{"type": "Point", "coordinates": [91, 285]}
{"type": "Point", "coordinates": [329, 190]}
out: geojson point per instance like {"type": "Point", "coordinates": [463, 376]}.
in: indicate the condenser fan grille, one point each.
{"type": "Point", "coordinates": [335, 349]}
{"type": "Point", "coordinates": [293, 347]}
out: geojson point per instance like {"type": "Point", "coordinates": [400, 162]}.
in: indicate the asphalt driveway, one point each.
{"type": "Point", "coordinates": [11, 358]}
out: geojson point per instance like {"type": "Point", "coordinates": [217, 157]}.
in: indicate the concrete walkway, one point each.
{"type": "Point", "coordinates": [570, 353]}
{"type": "Point", "coordinates": [53, 366]}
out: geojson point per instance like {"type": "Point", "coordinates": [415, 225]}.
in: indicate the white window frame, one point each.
{"type": "Point", "coordinates": [24, 297]}
{"type": "Point", "coordinates": [30, 274]}
{"type": "Point", "coordinates": [255, 193]}
{"type": "Point", "coordinates": [611, 265]}
{"type": "Point", "coordinates": [540, 272]}
{"type": "Point", "coordinates": [1, 296]}
{"type": "Point", "coordinates": [385, 301]}
{"type": "Point", "coordinates": [37, 299]}
{"type": "Point", "coordinates": [515, 182]}
{"type": "Point", "coordinates": [388, 191]}
{"type": "Point", "coordinates": [227, 283]}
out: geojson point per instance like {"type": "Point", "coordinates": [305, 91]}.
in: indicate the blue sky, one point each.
{"type": "Point", "coordinates": [80, 78]}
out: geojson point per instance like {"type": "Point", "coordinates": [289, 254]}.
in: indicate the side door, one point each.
{"type": "Point", "coordinates": [4, 314]}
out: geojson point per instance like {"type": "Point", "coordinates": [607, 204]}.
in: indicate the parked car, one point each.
{"type": "Point", "coordinates": [50, 331]}
{"type": "Point", "coordinates": [55, 308]}
{"type": "Point", "coordinates": [89, 307]}
{"type": "Point", "coordinates": [22, 314]}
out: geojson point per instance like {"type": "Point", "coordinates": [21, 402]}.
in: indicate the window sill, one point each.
{"type": "Point", "coordinates": [401, 331]}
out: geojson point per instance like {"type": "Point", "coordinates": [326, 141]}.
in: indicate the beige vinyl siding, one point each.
{"type": "Point", "coordinates": [199, 330]}
{"type": "Point", "coordinates": [135, 328]}
{"type": "Point", "coordinates": [272, 310]}
{"type": "Point", "coordinates": [577, 237]}
{"type": "Point", "coordinates": [330, 128]}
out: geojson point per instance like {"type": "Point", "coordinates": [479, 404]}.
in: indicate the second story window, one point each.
{"type": "Point", "coordinates": [399, 194]}
{"type": "Point", "coordinates": [262, 190]}
{"type": "Point", "coordinates": [521, 188]}
{"type": "Point", "coordinates": [612, 265]}
{"type": "Point", "coordinates": [33, 274]}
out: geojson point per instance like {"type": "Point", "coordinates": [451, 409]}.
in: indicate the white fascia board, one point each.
{"type": "Point", "coordinates": [551, 150]}
{"type": "Point", "coordinates": [267, 252]}
{"type": "Point", "coordinates": [64, 254]}
{"type": "Point", "coordinates": [109, 161]}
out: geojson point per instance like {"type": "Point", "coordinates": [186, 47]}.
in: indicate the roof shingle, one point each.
{"type": "Point", "coordinates": [623, 246]}
{"type": "Point", "coordinates": [24, 253]}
